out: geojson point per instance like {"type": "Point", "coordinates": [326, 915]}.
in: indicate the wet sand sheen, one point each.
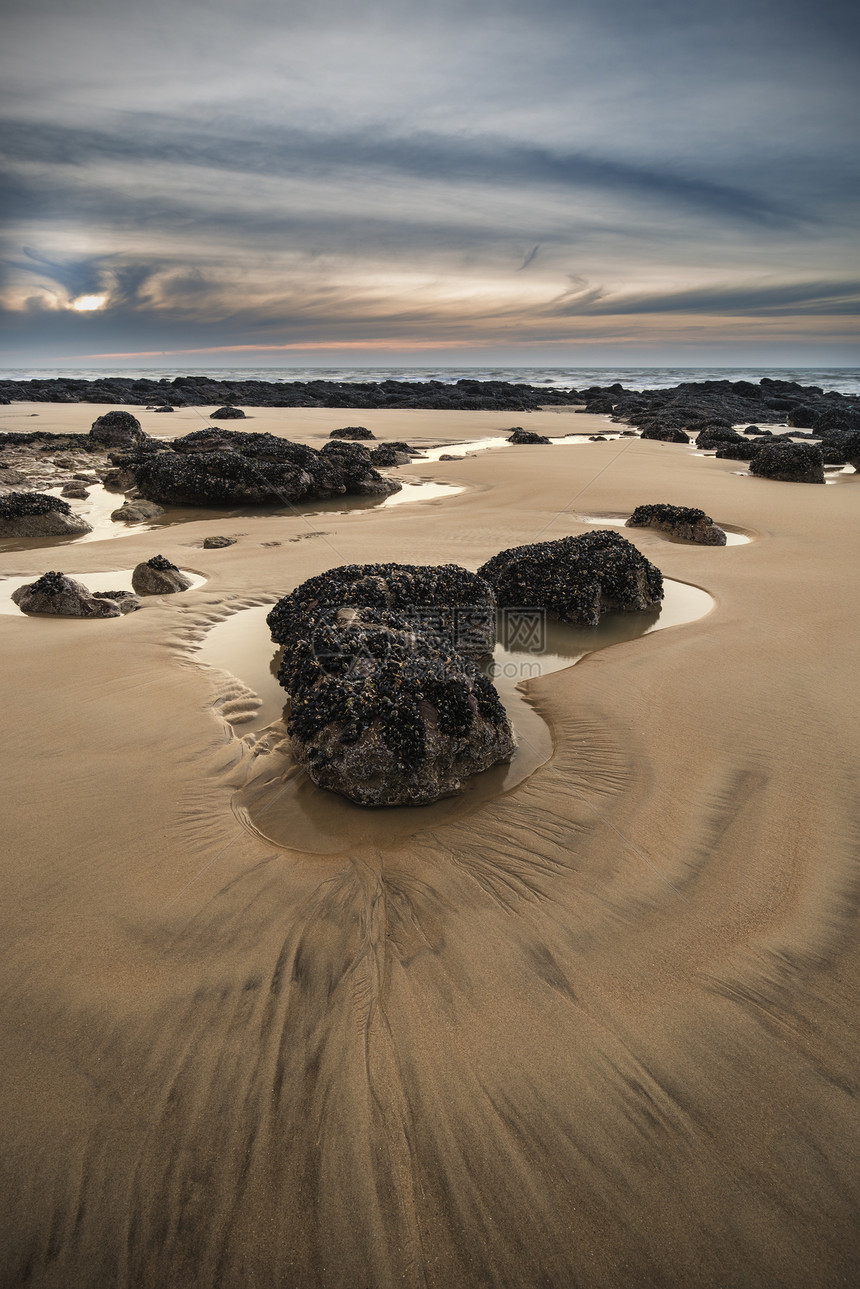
{"type": "Point", "coordinates": [282, 804]}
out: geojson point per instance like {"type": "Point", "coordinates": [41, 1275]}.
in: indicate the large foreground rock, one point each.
{"type": "Point", "coordinates": [157, 576]}
{"type": "Point", "coordinates": [686, 522]}
{"type": "Point", "coordinates": [60, 596]}
{"type": "Point", "coordinates": [789, 462]}
{"type": "Point", "coordinates": [576, 579]}
{"type": "Point", "coordinates": [387, 706]}
{"type": "Point", "coordinates": [36, 514]}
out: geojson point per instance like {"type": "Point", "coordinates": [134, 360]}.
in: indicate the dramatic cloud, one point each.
{"type": "Point", "coordinates": [506, 176]}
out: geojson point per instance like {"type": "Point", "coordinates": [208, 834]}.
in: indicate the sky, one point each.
{"type": "Point", "coordinates": [290, 182]}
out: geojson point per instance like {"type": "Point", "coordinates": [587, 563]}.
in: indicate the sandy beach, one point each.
{"type": "Point", "coordinates": [594, 1031]}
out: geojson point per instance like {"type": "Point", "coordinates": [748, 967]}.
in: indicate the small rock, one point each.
{"type": "Point", "coordinates": [126, 601]}
{"type": "Point", "coordinates": [449, 456]}
{"type": "Point", "coordinates": [519, 435]}
{"type": "Point", "coordinates": [352, 432]}
{"type": "Point", "coordinates": [216, 543]}
{"type": "Point", "coordinates": [75, 490]}
{"type": "Point", "coordinates": [686, 522]}
{"type": "Point", "coordinates": [135, 512]}
{"type": "Point", "coordinates": [157, 576]}
{"type": "Point", "coordinates": [225, 414]}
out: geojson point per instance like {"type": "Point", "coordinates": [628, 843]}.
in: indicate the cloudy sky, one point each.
{"type": "Point", "coordinates": [571, 181]}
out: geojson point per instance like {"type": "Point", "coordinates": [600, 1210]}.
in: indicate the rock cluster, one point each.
{"type": "Point", "coordinates": [576, 579]}
{"type": "Point", "coordinates": [36, 514]}
{"type": "Point", "coordinates": [685, 522]}
{"type": "Point", "coordinates": [60, 596]}
{"type": "Point", "coordinates": [789, 462]}
{"type": "Point", "coordinates": [217, 467]}
{"type": "Point", "coordinates": [388, 706]}
{"type": "Point", "coordinates": [157, 576]}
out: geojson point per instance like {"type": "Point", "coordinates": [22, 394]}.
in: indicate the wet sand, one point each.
{"type": "Point", "coordinates": [598, 1031]}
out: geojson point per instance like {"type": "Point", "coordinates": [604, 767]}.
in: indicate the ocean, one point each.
{"type": "Point", "coordinates": [844, 379]}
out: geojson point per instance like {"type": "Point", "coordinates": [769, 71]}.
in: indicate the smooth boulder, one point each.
{"type": "Point", "coordinates": [57, 595]}
{"type": "Point", "coordinates": [157, 576]}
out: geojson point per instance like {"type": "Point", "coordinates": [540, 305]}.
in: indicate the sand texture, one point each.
{"type": "Point", "coordinates": [596, 1031]}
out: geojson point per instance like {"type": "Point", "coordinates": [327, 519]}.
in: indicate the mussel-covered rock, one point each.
{"type": "Point", "coordinates": [387, 707]}
{"type": "Point", "coordinates": [714, 437]}
{"type": "Point", "coordinates": [117, 429]}
{"type": "Point", "coordinates": [575, 579]}
{"type": "Point", "coordinates": [686, 522]}
{"type": "Point", "coordinates": [352, 432]}
{"type": "Point", "coordinates": [738, 451]}
{"type": "Point", "coordinates": [36, 514]}
{"type": "Point", "coordinates": [217, 467]}
{"type": "Point", "coordinates": [665, 434]}
{"type": "Point", "coordinates": [520, 435]}
{"type": "Point", "coordinates": [227, 414]}
{"type": "Point", "coordinates": [847, 444]}
{"type": "Point", "coordinates": [391, 454]}
{"type": "Point", "coordinates": [60, 596]}
{"type": "Point", "coordinates": [789, 462]}
{"type": "Point", "coordinates": [157, 576]}
{"type": "Point", "coordinates": [442, 599]}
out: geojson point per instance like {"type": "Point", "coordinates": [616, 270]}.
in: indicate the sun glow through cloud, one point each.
{"type": "Point", "coordinates": [88, 303]}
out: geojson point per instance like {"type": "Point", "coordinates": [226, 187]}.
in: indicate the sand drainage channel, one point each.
{"type": "Point", "coordinates": [280, 802]}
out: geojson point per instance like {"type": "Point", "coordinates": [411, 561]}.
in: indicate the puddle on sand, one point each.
{"type": "Point", "coordinates": [734, 536]}
{"type": "Point", "coordinates": [498, 441]}
{"type": "Point", "coordinates": [118, 580]}
{"type": "Point", "coordinates": [97, 508]}
{"type": "Point", "coordinates": [282, 804]}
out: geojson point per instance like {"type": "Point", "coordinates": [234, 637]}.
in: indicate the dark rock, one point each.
{"type": "Point", "coordinates": [157, 576]}
{"type": "Point", "coordinates": [575, 579]}
{"type": "Point", "coordinates": [449, 456]}
{"type": "Point", "coordinates": [35, 514]}
{"type": "Point", "coordinates": [166, 408]}
{"type": "Point", "coordinates": [836, 418]}
{"type": "Point", "coordinates": [709, 439]}
{"type": "Point", "coordinates": [527, 436]}
{"type": "Point", "coordinates": [117, 429]}
{"type": "Point", "coordinates": [352, 432]}
{"type": "Point", "coordinates": [60, 596]}
{"type": "Point", "coordinates": [597, 438]}
{"type": "Point", "coordinates": [136, 511]}
{"type": "Point", "coordinates": [737, 451]}
{"type": "Point", "coordinates": [686, 522]}
{"type": "Point", "coordinates": [76, 491]}
{"type": "Point", "coordinates": [801, 417]}
{"type": "Point", "coordinates": [665, 434]}
{"type": "Point", "coordinates": [217, 543]}
{"type": "Point", "coordinates": [391, 454]}
{"type": "Point", "coordinates": [846, 445]}
{"type": "Point", "coordinates": [387, 706]}
{"type": "Point", "coordinates": [789, 462]}
{"type": "Point", "coordinates": [227, 414]}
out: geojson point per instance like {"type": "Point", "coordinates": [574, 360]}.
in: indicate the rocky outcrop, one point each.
{"type": "Point", "coordinates": [685, 522]}
{"type": "Point", "coordinates": [36, 514]}
{"type": "Point", "coordinates": [352, 432]}
{"type": "Point", "coordinates": [216, 468]}
{"type": "Point", "coordinates": [665, 434]}
{"type": "Point", "coordinates": [227, 414]}
{"type": "Point", "coordinates": [117, 429]}
{"type": "Point", "coordinates": [157, 576]}
{"type": "Point", "coordinates": [60, 596]}
{"type": "Point", "coordinates": [789, 462]}
{"type": "Point", "coordinates": [520, 435]}
{"type": "Point", "coordinates": [388, 706]}
{"type": "Point", "coordinates": [576, 579]}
